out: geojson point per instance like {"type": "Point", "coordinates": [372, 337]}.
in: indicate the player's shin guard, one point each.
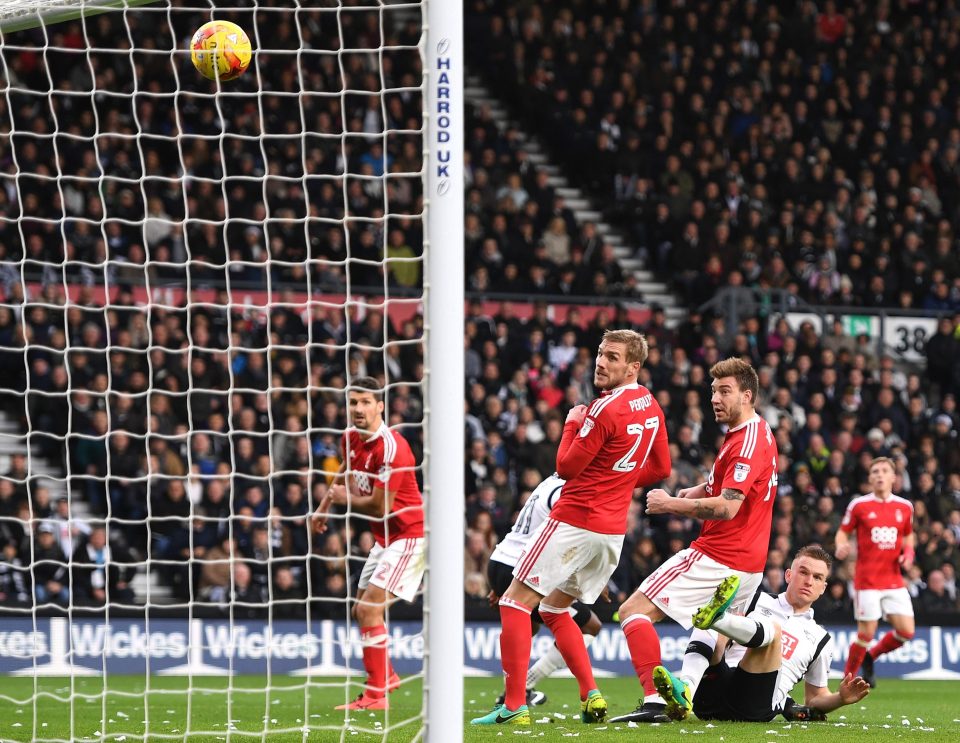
{"type": "Point", "coordinates": [550, 663]}
{"type": "Point", "coordinates": [890, 642]}
{"type": "Point", "coordinates": [570, 643]}
{"type": "Point", "coordinates": [697, 656]}
{"type": "Point", "coordinates": [375, 660]}
{"type": "Point", "coordinates": [858, 649]}
{"type": "Point", "coordinates": [515, 642]}
{"type": "Point", "coordinates": [644, 645]}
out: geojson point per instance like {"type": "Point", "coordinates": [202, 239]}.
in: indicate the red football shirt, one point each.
{"type": "Point", "coordinates": [747, 462]}
{"type": "Point", "coordinates": [386, 461]}
{"type": "Point", "coordinates": [881, 526]}
{"type": "Point", "coordinates": [621, 445]}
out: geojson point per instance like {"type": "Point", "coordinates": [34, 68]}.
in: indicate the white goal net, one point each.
{"type": "Point", "coordinates": [191, 274]}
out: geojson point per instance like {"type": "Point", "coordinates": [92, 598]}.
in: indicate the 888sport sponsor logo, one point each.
{"type": "Point", "coordinates": [884, 537]}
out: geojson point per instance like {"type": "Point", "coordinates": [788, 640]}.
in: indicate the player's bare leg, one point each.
{"type": "Point", "coordinates": [637, 616]}
{"type": "Point", "coordinates": [764, 659]}
{"type": "Point", "coordinates": [903, 631]}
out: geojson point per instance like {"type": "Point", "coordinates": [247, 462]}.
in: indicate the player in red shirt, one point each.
{"type": "Point", "coordinates": [736, 504]}
{"type": "Point", "coordinates": [883, 523]}
{"type": "Point", "coordinates": [609, 448]}
{"type": "Point", "coordinates": [377, 479]}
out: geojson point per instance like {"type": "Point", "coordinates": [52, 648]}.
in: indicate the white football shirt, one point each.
{"type": "Point", "coordinates": [534, 512]}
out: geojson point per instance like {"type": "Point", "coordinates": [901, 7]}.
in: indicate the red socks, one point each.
{"type": "Point", "coordinates": [375, 659]}
{"type": "Point", "coordinates": [570, 644]}
{"type": "Point", "coordinates": [889, 642]}
{"type": "Point", "coordinates": [644, 645]}
{"type": "Point", "coordinates": [515, 643]}
{"type": "Point", "coordinates": [858, 649]}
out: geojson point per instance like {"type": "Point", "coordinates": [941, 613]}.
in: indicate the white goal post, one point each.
{"type": "Point", "coordinates": [445, 272]}
{"type": "Point", "coordinates": [85, 150]}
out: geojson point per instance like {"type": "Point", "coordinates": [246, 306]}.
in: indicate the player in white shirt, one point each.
{"type": "Point", "coordinates": [500, 574]}
{"type": "Point", "coordinates": [770, 650]}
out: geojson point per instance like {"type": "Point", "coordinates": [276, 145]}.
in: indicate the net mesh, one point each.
{"type": "Point", "coordinates": [191, 271]}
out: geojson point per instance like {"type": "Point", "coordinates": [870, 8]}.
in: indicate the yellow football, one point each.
{"type": "Point", "coordinates": [220, 50]}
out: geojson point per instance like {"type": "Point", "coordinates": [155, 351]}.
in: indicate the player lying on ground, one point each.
{"type": "Point", "coordinates": [759, 658]}
{"type": "Point", "coordinates": [500, 573]}
{"type": "Point", "coordinates": [380, 483]}
{"type": "Point", "coordinates": [883, 524]}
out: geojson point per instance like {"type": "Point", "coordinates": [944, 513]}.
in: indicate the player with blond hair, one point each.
{"type": "Point", "coordinates": [608, 448]}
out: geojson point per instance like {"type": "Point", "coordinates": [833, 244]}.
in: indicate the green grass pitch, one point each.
{"type": "Point", "coordinates": [896, 710]}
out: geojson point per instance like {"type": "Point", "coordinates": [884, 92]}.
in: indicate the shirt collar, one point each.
{"type": "Point", "coordinates": [749, 420]}
{"type": "Point", "coordinates": [788, 607]}
{"type": "Point", "coordinates": [379, 433]}
{"type": "Point", "coordinates": [631, 386]}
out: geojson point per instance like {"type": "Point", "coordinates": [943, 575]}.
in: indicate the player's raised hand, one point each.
{"type": "Point", "coordinates": [853, 689]}
{"type": "Point", "coordinates": [658, 501]}
{"type": "Point", "coordinates": [577, 414]}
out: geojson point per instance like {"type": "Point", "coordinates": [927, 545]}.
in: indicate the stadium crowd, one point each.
{"type": "Point", "coordinates": [832, 407]}
{"type": "Point", "coordinates": [811, 147]}
{"type": "Point", "coordinates": [211, 479]}
{"type": "Point", "coordinates": [215, 422]}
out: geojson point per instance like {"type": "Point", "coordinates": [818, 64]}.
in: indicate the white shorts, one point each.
{"type": "Point", "coordinates": [397, 568]}
{"type": "Point", "coordinates": [870, 605]}
{"type": "Point", "coordinates": [686, 582]}
{"type": "Point", "coordinates": [577, 561]}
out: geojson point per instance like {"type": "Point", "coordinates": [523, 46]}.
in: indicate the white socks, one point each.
{"type": "Point", "coordinates": [697, 656]}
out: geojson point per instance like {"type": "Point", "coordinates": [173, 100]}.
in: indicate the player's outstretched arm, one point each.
{"type": "Point", "coordinates": [721, 507]}
{"type": "Point", "coordinates": [852, 689]}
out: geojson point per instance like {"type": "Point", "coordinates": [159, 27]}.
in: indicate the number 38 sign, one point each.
{"type": "Point", "coordinates": [908, 336]}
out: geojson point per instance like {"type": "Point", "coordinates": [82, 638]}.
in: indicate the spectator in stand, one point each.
{"type": "Point", "coordinates": [14, 578]}
{"type": "Point", "coordinates": [934, 598]}
{"type": "Point", "coordinates": [98, 573]}
{"type": "Point", "coordinates": [51, 578]}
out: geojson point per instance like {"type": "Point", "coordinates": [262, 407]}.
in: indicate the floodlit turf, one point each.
{"type": "Point", "coordinates": [896, 710]}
